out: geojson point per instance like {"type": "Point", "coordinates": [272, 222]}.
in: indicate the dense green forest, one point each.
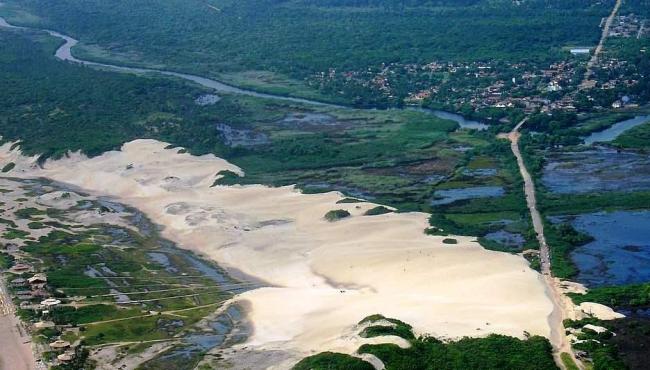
{"type": "Point", "coordinates": [298, 38]}
{"type": "Point", "coordinates": [55, 107]}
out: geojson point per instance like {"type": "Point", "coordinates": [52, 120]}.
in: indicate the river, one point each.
{"type": "Point", "coordinates": [615, 130]}
{"type": "Point", "coordinates": [64, 52]}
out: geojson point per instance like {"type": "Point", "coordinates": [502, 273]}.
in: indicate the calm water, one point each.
{"type": "Point", "coordinates": [480, 172]}
{"type": "Point", "coordinates": [615, 130]}
{"type": "Point", "coordinates": [462, 122]}
{"type": "Point", "coordinates": [600, 169]}
{"type": "Point", "coordinates": [207, 99]}
{"type": "Point", "coordinates": [316, 119]}
{"type": "Point", "coordinates": [448, 196]}
{"type": "Point", "coordinates": [511, 240]}
{"type": "Point", "coordinates": [234, 137]}
{"type": "Point", "coordinates": [620, 252]}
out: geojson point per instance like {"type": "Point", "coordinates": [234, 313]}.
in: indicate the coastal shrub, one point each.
{"type": "Point", "coordinates": [11, 234]}
{"type": "Point", "coordinates": [35, 225]}
{"type": "Point", "coordinates": [635, 295]}
{"type": "Point", "coordinates": [449, 241]}
{"type": "Point", "coordinates": [492, 352]}
{"type": "Point", "coordinates": [10, 223]}
{"type": "Point", "coordinates": [6, 261]}
{"type": "Point", "coordinates": [349, 200]}
{"type": "Point", "coordinates": [226, 177]}
{"type": "Point", "coordinates": [564, 238]}
{"type": "Point", "coordinates": [400, 330]}
{"type": "Point", "coordinates": [8, 167]}
{"type": "Point", "coordinates": [336, 215]}
{"type": "Point", "coordinates": [27, 213]}
{"type": "Point", "coordinates": [332, 361]}
{"type": "Point", "coordinates": [372, 318]}
{"type": "Point", "coordinates": [379, 210]}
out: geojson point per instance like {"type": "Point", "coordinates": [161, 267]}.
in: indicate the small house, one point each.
{"type": "Point", "coordinates": [37, 279]}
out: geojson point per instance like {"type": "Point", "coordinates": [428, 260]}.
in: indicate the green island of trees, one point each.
{"type": "Point", "coordinates": [337, 214]}
{"type": "Point", "coordinates": [494, 352]}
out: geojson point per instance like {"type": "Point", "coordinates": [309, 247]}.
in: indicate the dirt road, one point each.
{"type": "Point", "coordinates": [15, 343]}
{"type": "Point", "coordinates": [562, 306]}
{"type": "Point", "coordinates": [586, 82]}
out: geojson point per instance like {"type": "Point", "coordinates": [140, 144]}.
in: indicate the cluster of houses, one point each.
{"type": "Point", "coordinates": [628, 26]}
{"type": "Point", "coordinates": [494, 84]}
{"type": "Point", "coordinates": [30, 289]}
{"type": "Point", "coordinates": [499, 85]}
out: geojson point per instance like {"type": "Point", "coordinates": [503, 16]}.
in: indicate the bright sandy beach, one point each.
{"type": "Point", "coordinates": [322, 277]}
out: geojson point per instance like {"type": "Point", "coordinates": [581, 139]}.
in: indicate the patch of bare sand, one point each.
{"type": "Point", "coordinates": [15, 343]}
{"type": "Point", "coordinates": [325, 276]}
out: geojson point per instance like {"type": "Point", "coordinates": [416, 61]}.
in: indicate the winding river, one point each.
{"type": "Point", "coordinates": [64, 52]}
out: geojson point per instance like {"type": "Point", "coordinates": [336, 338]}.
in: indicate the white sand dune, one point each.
{"type": "Point", "coordinates": [324, 277]}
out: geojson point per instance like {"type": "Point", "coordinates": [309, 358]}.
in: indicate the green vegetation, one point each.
{"type": "Point", "coordinates": [599, 346]}
{"type": "Point", "coordinates": [11, 234]}
{"type": "Point", "coordinates": [557, 204]}
{"type": "Point", "coordinates": [332, 361]}
{"type": "Point", "coordinates": [88, 314]}
{"type": "Point", "coordinates": [492, 352]}
{"type": "Point", "coordinates": [337, 214]}
{"type": "Point", "coordinates": [599, 122]}
{"type": "Point", "coordinates": [568, 362]}
{"type": "Point", "coordinates": [262, 44]}
{"type": "Point", "coordinates": [385, 154]}
{"type": "Point", "coordinates": [379, 210]}
{"type": "Point", "coordinates": [227, 177]}
{"type": "Point", "coordinates": [349, 200]}
{"type": "Point", "coordinates": [8, 167]}
{"type": "Point", "coordinates": [635, 295]}
{"type": "Point", "coordinates": [28, 213]}
{"type": "Point", "coordinates": [495, 352]}
{"type": "Point", "coordinates": [393, 327]}
{"type": "Point", "coordinates": [142, 328]}
{"type": "Point", "coordinates": [636, 138]}
{"type": "Point", "coordinates": [121, 292]}
{"type": "Point", "coordinates": [35, 225]}
{"type": "Point", "coordinates": [564, 238]}
{"type": "Point", "coordinates": [6, 261]}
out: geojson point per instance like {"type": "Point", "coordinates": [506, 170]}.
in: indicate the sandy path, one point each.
{"type": "Point", "coordinates": [15, 343]}
{"type": "Point", "coordinates": [562, 306]}
{"type": "Point", "coordinates": [323, 277]}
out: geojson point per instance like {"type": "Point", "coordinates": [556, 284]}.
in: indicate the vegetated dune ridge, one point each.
{"type": "Point", "coordinates": [324, 276]}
